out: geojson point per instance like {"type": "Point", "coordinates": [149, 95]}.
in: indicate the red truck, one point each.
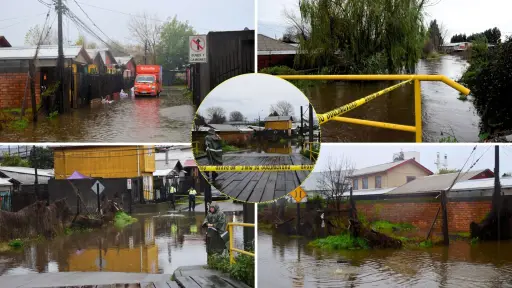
{"type": "Point", "coordinates": [148, 80]}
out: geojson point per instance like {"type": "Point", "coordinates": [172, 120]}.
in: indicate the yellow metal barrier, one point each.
{"type": "Point", "coordinates": [334, 114]}
{"type": "Point", "coordinates": [232, 241]}
{"type": "Point", "coordinates": [195, 147]}
{"type": "Point", "coordinates": [312, 154]}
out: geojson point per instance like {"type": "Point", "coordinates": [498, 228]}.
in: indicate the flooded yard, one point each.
{"type": "Point", "coordinates": [443, 113]}
{"type": "Point", "coordinates": [154, 244]}
{"type": "Point", "coordinates": [164, 119]}
{"type": "Point", "coordinates": [287, 262]}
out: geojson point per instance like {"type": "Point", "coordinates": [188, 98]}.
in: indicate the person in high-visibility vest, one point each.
{"type": "Point", "coordinates": [172, 192]}
{"type": "Point", "coordinates": [192, 199]}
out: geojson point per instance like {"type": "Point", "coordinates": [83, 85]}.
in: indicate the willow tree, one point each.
{"type": "Point", "coordinates": [362, 36]}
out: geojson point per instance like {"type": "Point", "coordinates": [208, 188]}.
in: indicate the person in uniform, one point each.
{"type": "Point", "coordinates": [172, 193]}
{"type": "Point", "coordinates": [213, 144]}
{"type": "Point", "coordinates": [192, 199]}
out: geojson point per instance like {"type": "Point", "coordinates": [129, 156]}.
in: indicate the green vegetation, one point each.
{"type": "Point", "coordinates": [464, 234]}
{"type": "Point", "coordinates": [426, 244]}
{"type": "Point", "coordinates": [383, 226]}
{"type": "Point", "coordinates": [488, 78]}
{"type": "Point", "coordinates": [265, 226]}
{"type": "Point", "coordinates": [13, 160]}
{"type": "Point", "coordinates": [188, 94]}
{"type": "Point", "coordinates": [314, 151]}
{"type": "Point", "coordinates": [122, 219]}
{"type": "Point", "coordinates": [172, 47]}
{"type": "Point", "coordinates": [19, 124]}
{"type": "Point", "coordinates": [53, 115]}
{"type": "Point", "coordinates": [229, 148]}
{"type": "Point", "coordinates": [448, 139]}
{"type": "Point", "coordinates": [474, 241]}
{"type": "Point", "coordinates": [341, 242]}
{"type": "Point", "coordinates": [284, 70]}
{"type": "Point", "coordinates": [242, 269]}
{"type": "Point", "coordinates": [16, 243]}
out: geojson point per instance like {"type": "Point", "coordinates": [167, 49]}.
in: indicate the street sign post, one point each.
{"type": "Point", "coordinates": [97, 188]}
{"type": "Point", "coordinates": [129, 188]}
{"type": "Point", "coordinates": [197, 49]}
{"type": "Point", "coordinates": [298, 194]}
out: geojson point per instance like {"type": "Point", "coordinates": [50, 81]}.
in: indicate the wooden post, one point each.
{"type": "Point", "coordinates": [311, 122]}
{"type": "Point", "coordinates": [301, 122]}
{"type": "Point", "coordinates": [32, 76]}
{"type": "Point", "coordinates": [444, 200]}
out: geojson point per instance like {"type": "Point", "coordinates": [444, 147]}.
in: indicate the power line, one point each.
{"type": "Point", "coordinates": [92, 21]}
{"type": "Point", "coordinates": [22, 17]}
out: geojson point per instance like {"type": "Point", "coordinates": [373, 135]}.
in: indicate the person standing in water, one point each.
{"type": "Point", "coordinates": [192, 199]}
{"type": "Point", "coordinates": [213, 144]}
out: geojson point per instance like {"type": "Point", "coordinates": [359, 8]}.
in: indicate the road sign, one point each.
{"type": "Point", "coordinates": [197, 49]}
{"type": "Point", "coordinates": [129, 184]}
{"type": "Point", "coordinates": [298, 194]}
{"type": "Point", "coordinates": [97, 187]}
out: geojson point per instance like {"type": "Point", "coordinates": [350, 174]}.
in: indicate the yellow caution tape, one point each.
{"type": "Point", "coordinates": [322, 118]}
{"type": "Point", "coordinates": [270, 168]}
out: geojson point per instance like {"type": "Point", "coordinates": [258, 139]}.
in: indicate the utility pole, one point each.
{"type": "Point", "coordinates": [36, 182]}
{"type": "Point", "coordinates": [496, 197]}
{"type": "Point", "coordinates": [301, 122]}
{"type": "Point", "coordinates": [32, 76]}
{"type": "Point", "coordinates": [311, 125]}
{"type": "Point", "coordinates": [60, 60]}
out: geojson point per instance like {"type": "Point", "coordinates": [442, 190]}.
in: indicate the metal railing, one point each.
{"type": "Point", "coordinates": [312, 154]}
{"type": "Point", "coordinates": [416, 79]}
{"type": "Point", "coordinates": [232, 241]}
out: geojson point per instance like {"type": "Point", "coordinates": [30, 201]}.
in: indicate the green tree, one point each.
{"type": "Point", "coordinates": [493, 35]}
{"type": "Point", "coordinates": [13, 160]}
{"type": "Point", "coordinates": [363, 36]}
{"type": "Point", "coordinates": [82, 41]}
{"type": "Point", "coordinates": [33, 36]}
{"type": "Point", "coordinates": [457, 38]}
{"type": "Point", "coordinates": [42, 157]}
{"type": "Point", "coordinates": [173, 46]}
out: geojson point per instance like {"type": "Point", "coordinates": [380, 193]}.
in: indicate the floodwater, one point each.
{"type": "Point", "coordinates": [165, 119]}
{"type": "Point", "coordinates": [286, 262]}
{"type": "Point", "coordinates": [154, 244]}
{"type": "Point", "coordinates": [442, 113]}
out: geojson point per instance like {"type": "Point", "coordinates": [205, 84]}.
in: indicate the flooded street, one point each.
{"type": "Point", "coordinates": [154, 244]}
{"type": "Point", "coordinates": [165, 119]}
{"type": "Point", "coordinates": [443, 113]}
{"type": "Point", "coordinates": [286, 262]}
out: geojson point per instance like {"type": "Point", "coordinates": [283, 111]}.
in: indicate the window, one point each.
{"type": "Point", "coordinates": [365, 182]}
{"type": "Point", "coordinates": [378, 181]}
{"type": "Point", "coordinates": [355, 183]}
{"type": "Point", "coordinates": [410, 178]}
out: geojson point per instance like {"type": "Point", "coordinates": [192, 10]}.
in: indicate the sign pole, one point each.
{"type": "Point", "coordinates": [98, 196]}
{"type": "Point", "coordinates": [298, 218]}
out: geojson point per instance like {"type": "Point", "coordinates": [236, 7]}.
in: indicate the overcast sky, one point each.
{"type": "Point", "coordinates": [368, 155]}
{"type": "Point", "coordinates": [457, 16]}
{"type": "Point", "coordinates": [203, 15]}
{"type": "Point", "coordinates": [252, 94]}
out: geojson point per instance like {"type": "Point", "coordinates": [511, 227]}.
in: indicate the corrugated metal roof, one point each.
{"type": "Point", "coordinates": [162, 172]}
{"type": "Point", "coordinates": [278, 118]}
{"type": "Point", "coordinates": [369, 192]}
{"type": "Point", "coordinates": [224, 127]}
{"type": "Point", "coordinates": [171, 164]}
{"type": "Point", "coordinates": [377, 168]}
{"type": "Point", "coordinates": [433, 183]}
{"type": "Point", "coordinates": [28, 170]}
{"type": "Point", "coordinates": [123, 60]}
{"type": "Point", "coordinates": [267, 44]}
{"type": "Point", "coordinates": [5, 182]}
{"type": "Point", "coordinates": [45, 52]}
{"type": "Point", "coordinates": [479, 184]}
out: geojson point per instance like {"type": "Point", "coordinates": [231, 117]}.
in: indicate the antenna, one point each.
{"type": "Point", "coordinates": [438, 162]}
{"type": "Point", "coordinates": [445, 164]}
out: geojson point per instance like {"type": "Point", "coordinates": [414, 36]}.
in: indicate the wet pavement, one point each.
{"type": "Point", "coordinates": [443, 113]}
{"type": "Point", "coordinates": [165, 119]}
{"type": "Point", "coordinates": [154, 244]}
{"type": "Point", "coordinates": [286, 262]}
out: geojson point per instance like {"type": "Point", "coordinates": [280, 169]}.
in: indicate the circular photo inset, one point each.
{"type": "Point", "coordinates": [256, 138]}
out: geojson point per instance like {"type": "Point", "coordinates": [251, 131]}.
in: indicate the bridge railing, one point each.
{"type": "Point", "coordinates": [232, 248]}
{"type": "Point", "coordinates": [415, 79]}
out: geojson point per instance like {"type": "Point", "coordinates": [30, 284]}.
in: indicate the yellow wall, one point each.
{"type": "Point", "coordinates": [104, 161]}
{"type": "Point", "coordinates": [278, 125]}
{"type": "Point", "coordinates": [394, 178]}
{"type": "Point", "coordinates": [92, 69]}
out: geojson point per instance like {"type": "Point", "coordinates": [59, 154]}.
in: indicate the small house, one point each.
{"type": "Point", "coordinates": [279, 123]}
{"type": "Point", "coordinates": [272, 52]}
{"type": "Point", "coordinates": [104, 60]}
{"type": "Point", "coordinates": [127, 66]}
{"type": "Point", "coordinates": [5, 194]}
{"type": "Point", "coordinates": [4, 42]}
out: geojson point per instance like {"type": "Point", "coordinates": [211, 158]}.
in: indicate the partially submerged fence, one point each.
{"type": "Point", "coordinates": [232, 241]}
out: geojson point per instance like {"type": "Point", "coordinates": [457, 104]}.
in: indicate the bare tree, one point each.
{"type": "Point", "coordinates": [336, 179]}
{"type": "Point", "coordinates": [283, 108]}
{"type": "Point", "coordinates": [217, 115]}
{"type": "Point", "coordinates": [298, 28]}
{"type": "Point", "coordinates": [34, 34]}
{"type": "Point", "coordinates": [236, 116]}
{"type": "Point", "coordinates": [146, 30]}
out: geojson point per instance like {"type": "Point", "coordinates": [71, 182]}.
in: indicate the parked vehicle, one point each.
{"type": "Point", "coordinates": [148, 81]}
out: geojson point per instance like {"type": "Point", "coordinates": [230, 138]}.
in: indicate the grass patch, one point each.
{"type": "Point", "coordinates": [20, 124]}
{"type": "Point", "coordinates": [53, 115]}
{"type": "Point", "coordinates": [16, 243]}
{"type": "Point", "coordinates": [382, 225]}
{"type": "Point", "coordinates": [341, 242]}
{"type": "Point", "coordinates": [463, 234]}
{"type": "Point", "coordinates": [122, 219]}
{"type": "Point", "coordinates": [474, 241]}
{"type": "Point", "coordinates": [426, 244]}
{"type": "Point", "coordinates": [449, 139]}
{"type": "Point", "coordinates": [229, 148]}
{"type": "Point", "coordinates": [242, 269]}
{"type": "Point", "coordinates": [284, 70]}
{"type": "Point", "coordinates": [433, 55]}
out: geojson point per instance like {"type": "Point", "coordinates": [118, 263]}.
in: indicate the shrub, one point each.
{"type": "Point", "coordinates": [341, 242]}
{"type": "Point", "coordinates": [242, 269]}
{"type": "Point", "coordinates": [122, 219]}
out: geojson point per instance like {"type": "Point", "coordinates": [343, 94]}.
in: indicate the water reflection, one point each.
{"type": "Point", "coordinates": [283, 146]}
{"type": "Point", "coordinates": [155, 244]}
{"type": "Point", "coordinates": [285, 262]}
{"type": "Point", "coordinates": [443, 113]}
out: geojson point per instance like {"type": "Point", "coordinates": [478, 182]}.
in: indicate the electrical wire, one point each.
{"type": "Point", "coordinates": [92, 21]}
{"type": "Point", "coordinates": [23, 17]}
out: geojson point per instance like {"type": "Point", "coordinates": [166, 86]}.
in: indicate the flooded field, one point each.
{"type": "Point", "coordinates": [443, 113]}
{"type": "Point", "coordinates": [165, 119]}
{"type": "Point", "coordinates": [155, 244]}
{"type": "Point", "coordinates": [286, 262]}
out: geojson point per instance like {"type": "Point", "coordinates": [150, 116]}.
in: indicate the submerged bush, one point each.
{"type": "Point", "coordinates": [341, 242]}
{"type": "Point", "coordinates": [242, 269]}
{"type": "Point", "coordinates": [122, 219]}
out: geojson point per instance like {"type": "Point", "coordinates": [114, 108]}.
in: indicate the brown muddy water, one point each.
{"type": "Point", "coordinates": [154, 244]}
{"type": "Point", "coordinates": [286, 262]}
{"type": "Point", "coordinates": [164, 119]}
{"type": "Point", "coordinates": [442, 113]}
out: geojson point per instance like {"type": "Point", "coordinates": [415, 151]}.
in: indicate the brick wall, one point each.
{"type": "Point", "coordinates": [12, 89]}
{"type": "Point", "coordinates": [421, 214]}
